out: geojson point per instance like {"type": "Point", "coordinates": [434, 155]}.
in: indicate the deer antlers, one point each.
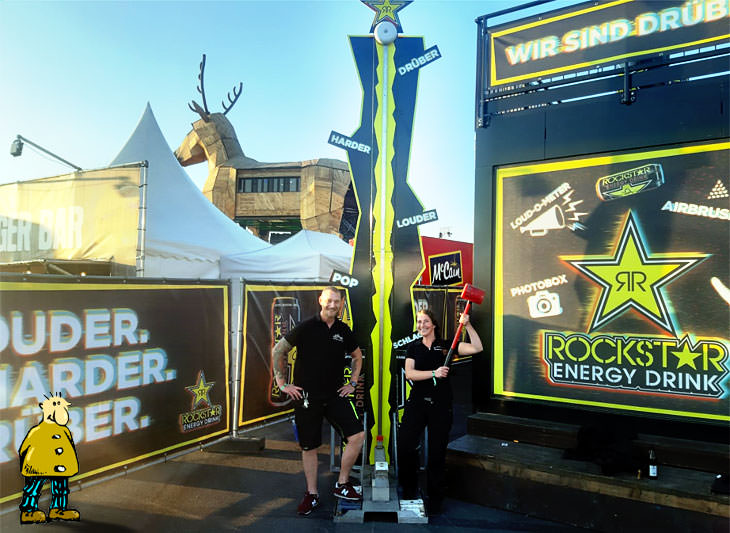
{"type": "Point", "coordinates": [203, 111]}
{"type": "Point", "coordinates": [236, 94]}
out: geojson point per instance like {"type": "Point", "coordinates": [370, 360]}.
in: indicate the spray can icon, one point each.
{"type": "Point", "coordinates": [285, 314]}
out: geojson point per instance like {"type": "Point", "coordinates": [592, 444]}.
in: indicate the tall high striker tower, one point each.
{"type": "Point", "coordinates": [387, 261]}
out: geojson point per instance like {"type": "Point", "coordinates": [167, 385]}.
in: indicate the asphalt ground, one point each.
{"type": "Point", "coordinates": [209, 491]}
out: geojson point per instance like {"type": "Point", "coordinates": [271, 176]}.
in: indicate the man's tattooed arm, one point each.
{"type": "Point", "coordinates": [281, 350]}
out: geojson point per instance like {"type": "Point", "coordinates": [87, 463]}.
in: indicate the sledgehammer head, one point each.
{"type": "Point", "coordinates": [472, 294]}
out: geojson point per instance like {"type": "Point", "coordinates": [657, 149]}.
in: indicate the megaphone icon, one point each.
{"type": "Point", "coordinates": [551, 219]}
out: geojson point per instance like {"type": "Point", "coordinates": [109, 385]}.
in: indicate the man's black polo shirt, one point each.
{"type": "Point", "coordinates": [320, 362]}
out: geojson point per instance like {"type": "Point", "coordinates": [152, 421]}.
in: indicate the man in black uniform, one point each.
{"type": "Point", "coordinates": [322, 342]}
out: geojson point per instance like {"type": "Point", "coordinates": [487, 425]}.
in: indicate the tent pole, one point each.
{"type": "Point", "coordinates": [142, 219]}
{"type": "Point", "coordinates": [236, 335]}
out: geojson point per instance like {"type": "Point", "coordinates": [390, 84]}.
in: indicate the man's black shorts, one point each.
{"type": "Point", "coordinates": [340, 412]}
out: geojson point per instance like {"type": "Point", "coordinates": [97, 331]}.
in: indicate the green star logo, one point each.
{"type": "Point", "coordinates": [201, 390]}
{"type": "Point", "coordinates": [633, 278]}
{"type": "Point", "coordinates": [628, 189]}
{"type": "Point", "coordinates": [387, 10]}
{"type": "Point", "coordinates": [685, 356]}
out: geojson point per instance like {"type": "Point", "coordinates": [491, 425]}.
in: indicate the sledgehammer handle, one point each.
{"type": "Point", "coordinates": [447, 362]}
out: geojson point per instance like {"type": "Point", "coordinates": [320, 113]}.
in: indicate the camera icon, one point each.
{"type": "Point", "coordinates": [544, 303]}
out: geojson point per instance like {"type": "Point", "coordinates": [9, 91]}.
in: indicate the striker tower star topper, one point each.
{"type": "Point", "coordinates": [387, 10]}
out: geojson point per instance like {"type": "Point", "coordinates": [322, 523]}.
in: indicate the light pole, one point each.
{"type": "Point", "coordinates": [16, 149]}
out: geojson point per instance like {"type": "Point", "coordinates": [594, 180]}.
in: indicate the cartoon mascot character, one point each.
{"type": "Point", "coordinates": [48, 453]}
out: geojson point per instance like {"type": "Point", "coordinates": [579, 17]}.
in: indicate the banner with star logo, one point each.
{"type": "Point", "coordinates": [611, 276]}
{"type": "Point", "coordinates": [143, 365]}
{"type": "Point", "coordinates": [270, 312]}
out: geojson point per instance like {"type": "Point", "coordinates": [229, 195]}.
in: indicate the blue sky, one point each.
{"type": "Point", "coordinates": [78, 75]}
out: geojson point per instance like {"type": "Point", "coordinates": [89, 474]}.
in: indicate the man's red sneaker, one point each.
{"type": "Point", "coordinates": [309, 502]}
{"type": "Point", "coordinates": [347, 492]}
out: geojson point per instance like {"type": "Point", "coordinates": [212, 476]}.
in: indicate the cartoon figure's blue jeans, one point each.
{"type": "Point", "coordinates": [32, 490]}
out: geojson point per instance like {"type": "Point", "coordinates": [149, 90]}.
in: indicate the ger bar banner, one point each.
{"type": "Point", "coordinates": [92, 214]}
{"type": "Point", "coordinates": [611, 281]}
{"type": "Point", "coordinates": [144, 367]}
{"type": "Point", "coordinates": [590, 34]}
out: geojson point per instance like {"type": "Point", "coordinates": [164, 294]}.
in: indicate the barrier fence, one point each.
{"type": "Point", "coordinates": [150, 366]}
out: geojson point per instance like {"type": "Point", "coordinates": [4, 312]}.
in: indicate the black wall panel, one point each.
{"type": "Point", "coordinates": [660, 115]}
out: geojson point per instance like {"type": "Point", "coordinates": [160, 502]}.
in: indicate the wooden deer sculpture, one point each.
{"type": "Point", "coordinates": [318, 202]}
{"type": "Point", "coordinates": [214, 139]}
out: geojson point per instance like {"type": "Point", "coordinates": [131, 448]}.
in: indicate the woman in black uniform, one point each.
{"type": "Point", "coordinates": [429, 404]}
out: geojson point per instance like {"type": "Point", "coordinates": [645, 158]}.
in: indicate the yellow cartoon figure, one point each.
{"type": "Point", "coordinates": [48, 453]}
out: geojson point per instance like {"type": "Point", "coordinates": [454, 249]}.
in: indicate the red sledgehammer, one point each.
{"type": "Point", "coordinates": [470, 294]}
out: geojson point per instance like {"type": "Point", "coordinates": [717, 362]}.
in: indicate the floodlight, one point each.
{"type": "Point", "coordinates": [16, 149]}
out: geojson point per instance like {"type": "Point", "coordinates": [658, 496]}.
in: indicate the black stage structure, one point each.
{"type": "Point", "coordinates": [600, 128]}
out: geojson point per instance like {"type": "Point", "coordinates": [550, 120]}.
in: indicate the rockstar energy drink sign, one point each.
{"type": "Point", "coordinates": [628, 182]}
{"type": "Point", "coordinates": [633, 307]}
{"type": "Point", "coordinates": [649, 364]}
{"type": "Point", "coordinates": [203, 412]}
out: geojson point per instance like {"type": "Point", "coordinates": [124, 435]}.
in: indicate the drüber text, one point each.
{"type": "Point", "coordinates": [430, 55]}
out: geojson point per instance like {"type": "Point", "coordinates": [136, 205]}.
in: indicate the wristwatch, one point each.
{"type": "Point", "coordinates": [353, 383]}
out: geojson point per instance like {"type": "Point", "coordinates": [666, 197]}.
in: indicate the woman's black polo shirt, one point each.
{"type": "Point", "coordinates": [430, 359]}
{"type": "Point", "coordinates": [321, 350]}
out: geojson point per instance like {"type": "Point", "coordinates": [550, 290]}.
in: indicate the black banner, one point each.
{"type": "Point", "coordinates": [611, 281]}
{"type": "Point", "coordinates": [270, 313]}
{"type": "Point", "coordinates": [145, 368]}
{"type": "Point", "coordinates": [587, 35]}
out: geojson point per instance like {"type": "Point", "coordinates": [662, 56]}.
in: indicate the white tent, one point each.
{"type": "Point", "coordinates": [185, 234]}
{"type": "Point", "coordinates": [305, 256]}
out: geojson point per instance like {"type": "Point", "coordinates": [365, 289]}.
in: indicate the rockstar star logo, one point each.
{"type": "Point", "coordinates": [387, 10]}
{"type": "Point", "coordinates": [685, 356]}
{"type": "Point", "coordinates": [632, 278]}
{"type": "Point", "coordinates": [200, 390]}
{"type": "Point", "coordinates": [628, 189]}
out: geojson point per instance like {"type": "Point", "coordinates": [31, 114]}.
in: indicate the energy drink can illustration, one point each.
{"type": "Point", "coordinates": [285, 314]}
{"type": "Point", "coordinates": [346, 315]}
{"type": "Point", "coordinates": [630, 182]}
{"type": "Point", "coordinates": [459, 308]}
